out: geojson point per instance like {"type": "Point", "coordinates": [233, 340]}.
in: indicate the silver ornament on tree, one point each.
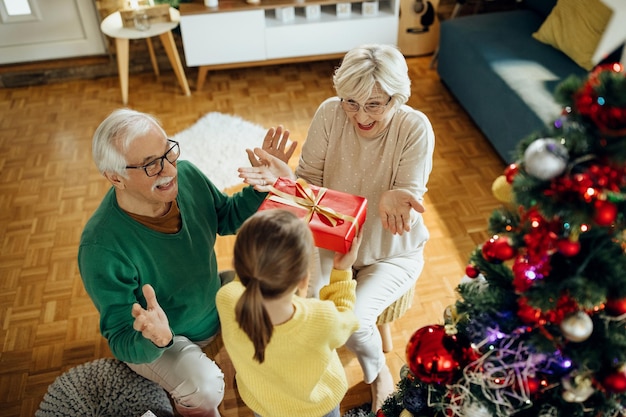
{"type": "Point", "coordinates": [577, 389]}
{"type": "Point", "coordinates": [545, 158]}
{"type": "Point", "coordinates": [577, 327]}
{"type": "Point", "coordinates": [479, 283]}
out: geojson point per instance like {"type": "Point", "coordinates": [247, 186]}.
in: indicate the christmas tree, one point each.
{"type": "Point", "coordinates": [539, 328]}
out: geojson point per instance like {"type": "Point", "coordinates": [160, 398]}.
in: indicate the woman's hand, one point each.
{"type": "Point", "coordinates": [344, 261]}
{"type": "Point", "coordinates": [152, 322]}
{"type": "Point", "coordinates": [395, 210]}
{"type": "Point", "coordinates": [264, 175]}
{"type": "Point", "coordinates": [274, 144]}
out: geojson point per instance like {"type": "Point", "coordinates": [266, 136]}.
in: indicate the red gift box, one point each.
{"type": "Point", "coordinates": [333, 216]}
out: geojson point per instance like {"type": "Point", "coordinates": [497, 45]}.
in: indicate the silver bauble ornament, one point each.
{"type": "Point", "coordinates": [577, 389]}
{"type": "Point", "coordinates": [577, 327]}
{"type": "Point", "coordinates": [545, 159]}
{"type": "Point", "coordinates": [480, 282]}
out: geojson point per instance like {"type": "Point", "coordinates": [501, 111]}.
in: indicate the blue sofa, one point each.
{"type": "Point", "coordinates": [501, 75]}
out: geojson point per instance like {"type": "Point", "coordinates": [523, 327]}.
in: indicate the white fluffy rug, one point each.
{"type": "Point", "coordinates": [217, 145]}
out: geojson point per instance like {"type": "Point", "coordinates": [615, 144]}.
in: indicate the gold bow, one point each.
{"type": "Point", "coordinates": [309, 201]}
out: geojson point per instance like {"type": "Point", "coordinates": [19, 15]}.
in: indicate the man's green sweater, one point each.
{"type": "Point", "coordinates": [117, 256]}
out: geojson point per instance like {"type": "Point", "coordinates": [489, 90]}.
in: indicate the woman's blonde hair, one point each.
{"type": "Point", "coordinates": [367, 65]}
{"type": "Point", "coordinates": [271, 257]}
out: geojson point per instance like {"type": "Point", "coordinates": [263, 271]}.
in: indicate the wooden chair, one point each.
{"type": "Point", "coordinates": [391, 313]}
{"type": "Point", "coordinates": [213, 348]}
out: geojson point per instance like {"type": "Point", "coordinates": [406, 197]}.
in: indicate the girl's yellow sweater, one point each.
{"type": "Point", "coordinates": [302, 374]}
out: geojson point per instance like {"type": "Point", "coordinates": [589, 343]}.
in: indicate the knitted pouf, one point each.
{"type": "Point", "coordinates": [102, 388]}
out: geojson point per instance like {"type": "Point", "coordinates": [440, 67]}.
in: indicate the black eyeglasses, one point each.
{"type": "Point", "coordinates": [371, 108]}
{"type": "Point", "coordinates": [155, 167]}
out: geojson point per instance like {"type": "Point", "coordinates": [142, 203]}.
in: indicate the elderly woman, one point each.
{"type": "Point", "coordinates": [368, 142]}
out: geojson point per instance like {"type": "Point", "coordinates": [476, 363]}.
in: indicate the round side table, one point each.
{"type": "Point", "coordinates": [112, 26]}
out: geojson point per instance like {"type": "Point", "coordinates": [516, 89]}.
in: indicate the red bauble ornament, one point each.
{"type": "Point", "coordinates": [606, 212]}
{"type": "Point", "coordinates": [522, 272]}
{"type": "Point", "coordinates": [532, 385]}
{"type": "Point", "coordinates": [498, 249]}
{"type": "Point", "coordinates": [471, 271]}
{"type": "Point", "coordinates": [510, 172]}
{"type": "Point", "coordinates": [380, 413]}
{"type": "Point", "coordinates": [527, 313]}
{"type": "Point", "coordinates": [488, 252]}
{"type": "Point", "coordinates": [615, 382]}
{"type": "Point", "coordinates": [568, 247]}
{"type": "Point", "coordinates": [435, 357]}
{"type": "Point", "coordinates": [616, 306]}
{"type": "Point", "coordinates": [609, 116]}
{"type": "Point", "coordinates": [503, 248]}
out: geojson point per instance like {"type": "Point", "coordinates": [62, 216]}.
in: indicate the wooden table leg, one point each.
{"type": "Point", "coordinates": [155, 65]}
{"type": "Point", "coordinates": [202, 71]}
{"type": "Point", "coordinates": [121, 47]}
{"type": "Point", "coordinates": [172, 53]}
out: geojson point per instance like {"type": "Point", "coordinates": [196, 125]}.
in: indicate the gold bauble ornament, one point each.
{"type": "Point", "coordinates": [406, 413]}
{"type": "Point", "coordinates": [450, 315]}
{"type": "Point", "coordinates": [501, 190]}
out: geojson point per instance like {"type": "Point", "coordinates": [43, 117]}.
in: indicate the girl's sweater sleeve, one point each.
{"type": "Point", "coordinates": [340, 290]}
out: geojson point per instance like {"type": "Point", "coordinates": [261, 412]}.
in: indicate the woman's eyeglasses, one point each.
{"type": "Point", "coordinates": [371, 108]}
{"type": "Point", "coordinates": [155, 167]}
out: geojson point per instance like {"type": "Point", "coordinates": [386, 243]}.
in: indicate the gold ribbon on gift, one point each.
{"type": "Point", "coordinates": [310, 202]}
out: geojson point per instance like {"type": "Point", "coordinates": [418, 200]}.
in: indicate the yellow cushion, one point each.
{"type": "Point", "coordinates": [575, 28]}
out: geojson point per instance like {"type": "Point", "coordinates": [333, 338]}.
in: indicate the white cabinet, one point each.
{"type": "Point", "coordinates": [218, 38]}
{"type": "Point", "coordinates": [236, 33]}
{"type": "Point", "coordinates": [329, 34]}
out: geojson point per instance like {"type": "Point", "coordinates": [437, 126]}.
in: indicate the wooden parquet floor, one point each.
{"type": "Point", "coordinates": [49, 187]}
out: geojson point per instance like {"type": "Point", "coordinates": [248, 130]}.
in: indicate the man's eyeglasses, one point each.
{"type": "Point", "coordinates": [155, 167]}
{"type": "Point", "coordinates": [371, 108]}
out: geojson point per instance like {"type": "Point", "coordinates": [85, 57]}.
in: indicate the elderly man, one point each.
{"type": "Point", "coordinates": [153, 238]}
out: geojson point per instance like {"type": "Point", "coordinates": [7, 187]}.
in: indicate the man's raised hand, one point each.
{"type": "Point", "coordinates": [152, 321]}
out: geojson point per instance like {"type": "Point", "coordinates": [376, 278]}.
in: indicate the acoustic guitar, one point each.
{"type": "Point", "coordinates": [418, 29]}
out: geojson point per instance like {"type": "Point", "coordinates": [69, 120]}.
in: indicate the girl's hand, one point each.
{"type": "Point", "coordinates": [344, 261]}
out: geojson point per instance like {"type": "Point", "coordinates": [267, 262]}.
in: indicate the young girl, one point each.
{"type": "Point", "coordinates": [283, 347]}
